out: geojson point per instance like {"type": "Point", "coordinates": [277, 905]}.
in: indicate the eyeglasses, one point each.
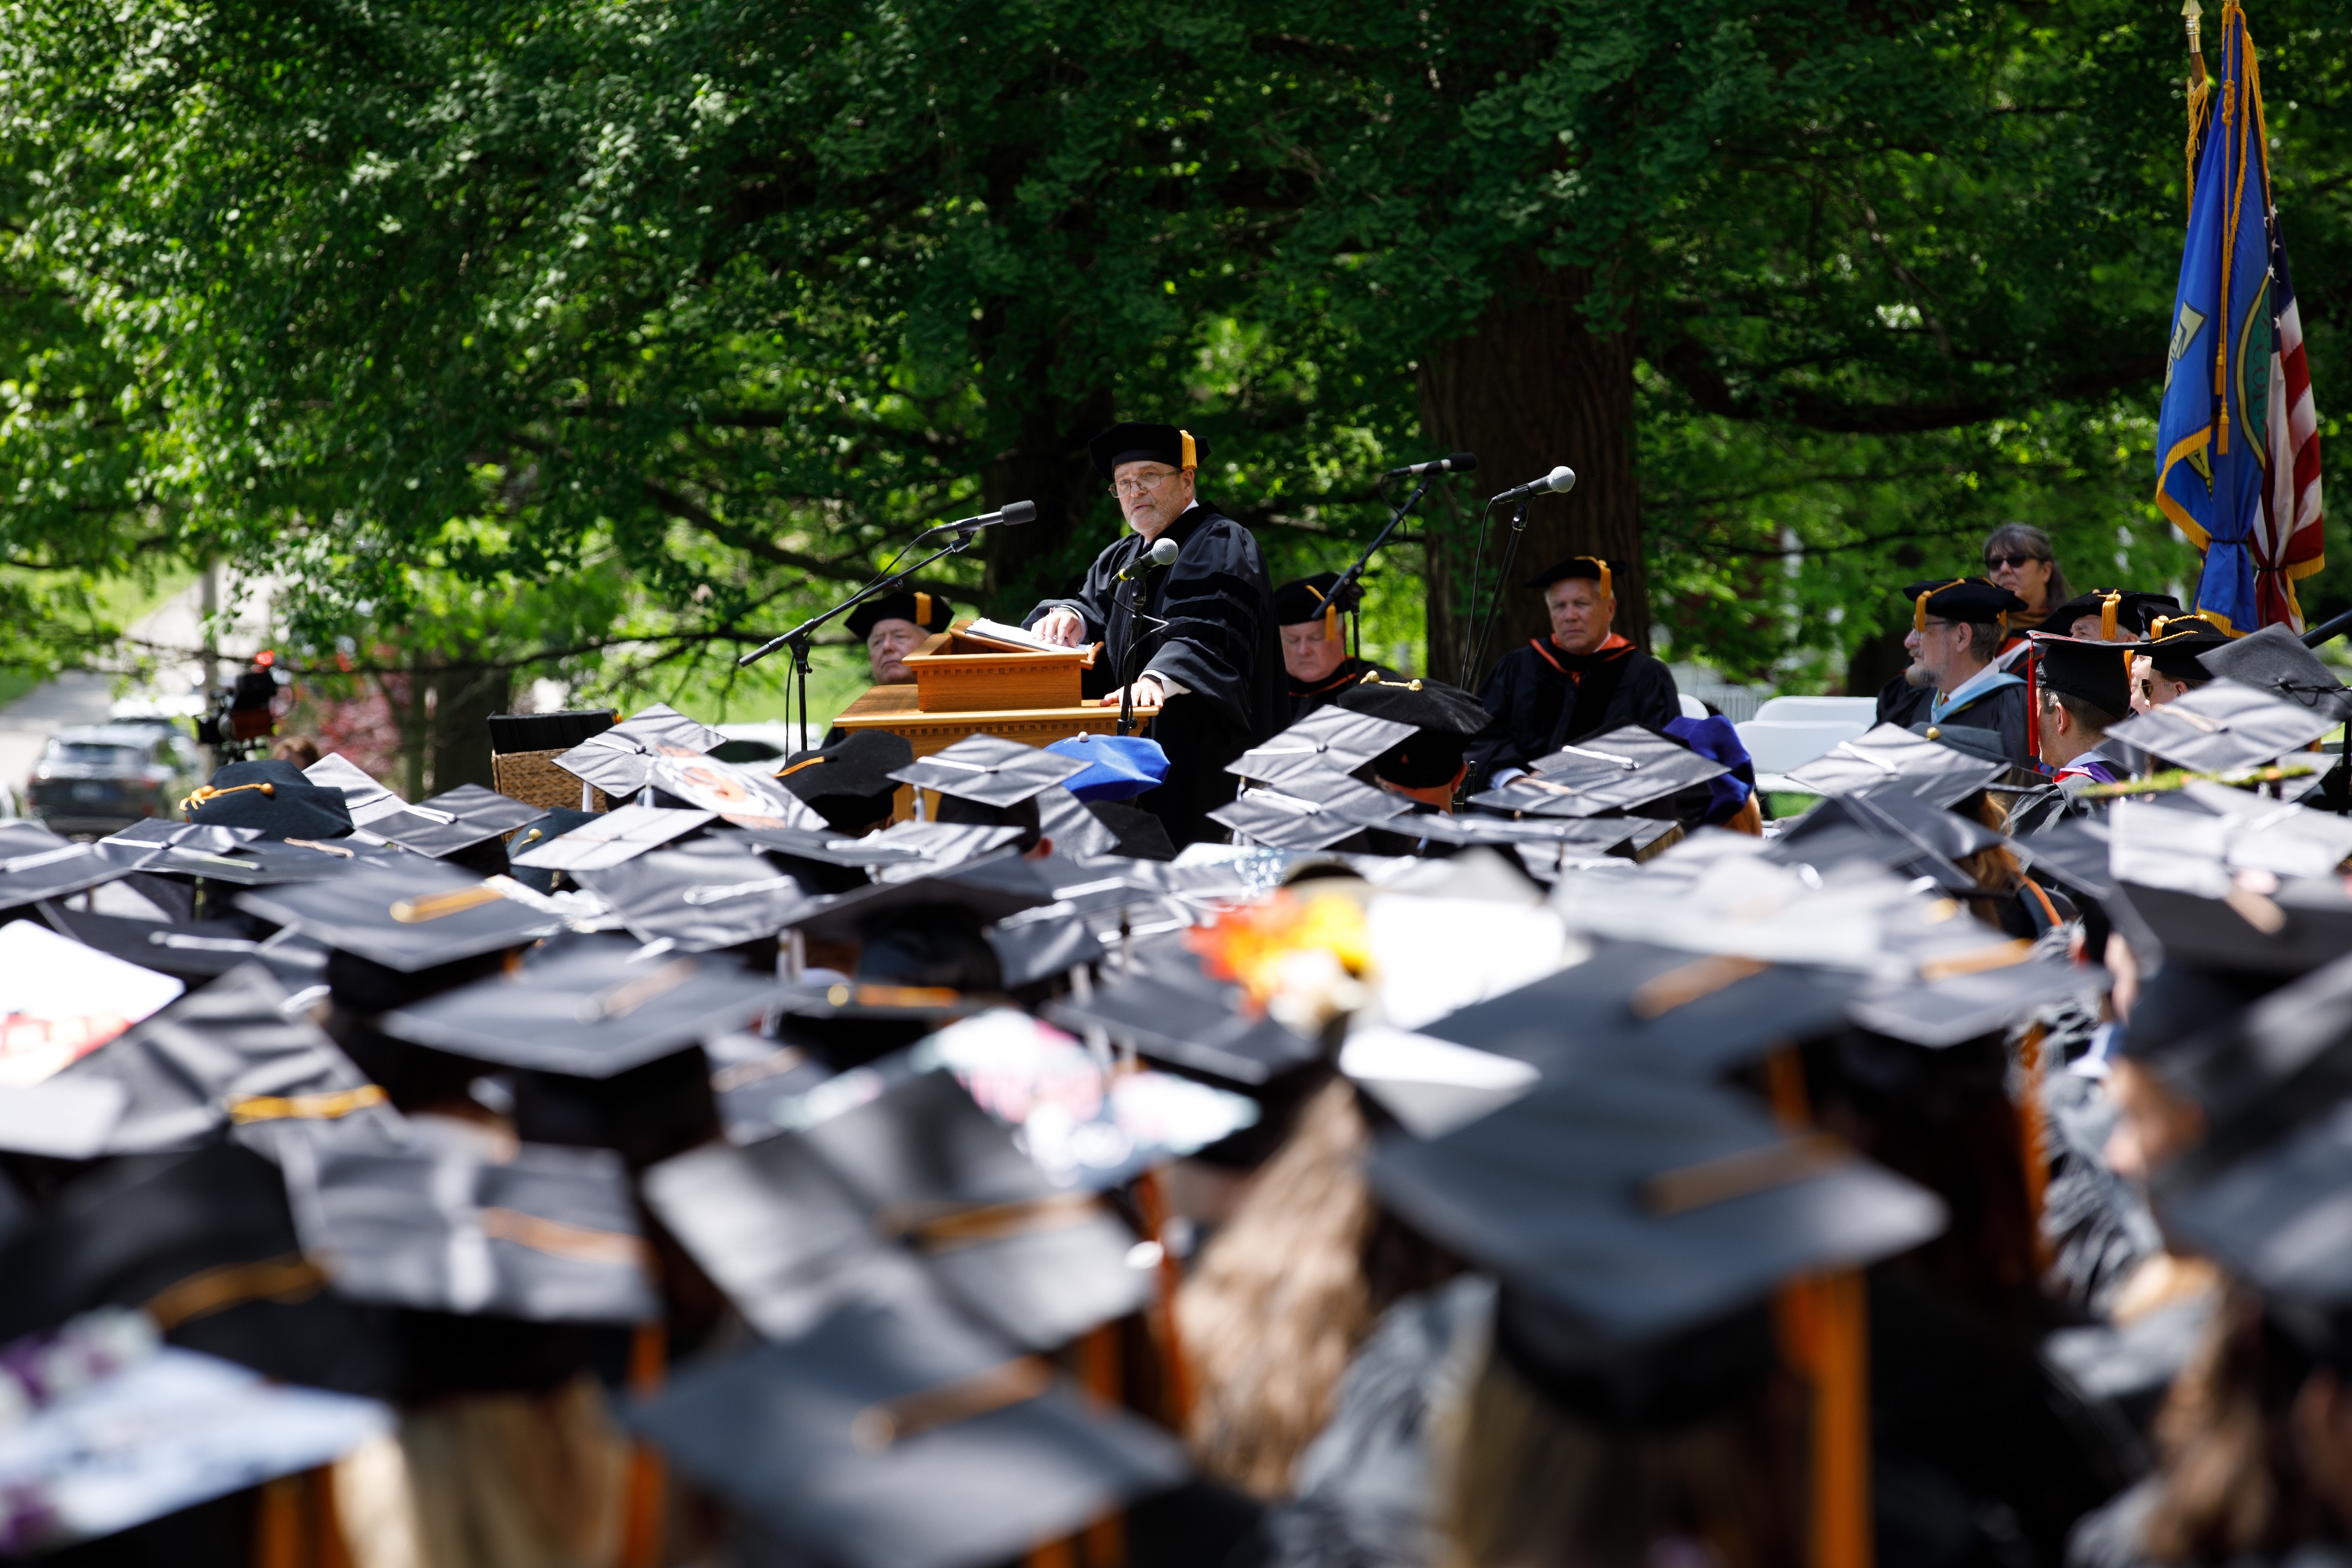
{"type": "Point", "coordinates": [1136, 484]}
{"type": "Point", "coordinates": [1994, 561]}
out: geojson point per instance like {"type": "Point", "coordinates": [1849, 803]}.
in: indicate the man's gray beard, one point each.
{"type": "Point", "coordinates": [1916, 675]}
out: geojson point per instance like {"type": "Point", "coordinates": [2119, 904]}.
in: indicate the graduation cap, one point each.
{"type": "Point", "coordinates": [1179, 1016]}
{"type": "Point", "coordinates": [266, 862]}
{"type": "Point", "coordinates": [187, 950]}
{"type": "Point", "coordinates": [1626, 768]}
{"type": "Point", "coordinates": [599, 1006]}
{"type": "Point", "coordinates": [62, 1000]}
{"type": "Point", "coordinates": [2123, 614]}
{"type": "Point", "coordinates": [363, 797]}
{"type": "Point", "coordinates": [1893, 828]}
{"type": "Point", "coordinates": [1074, 831]}
{"type": "Point", "coordinates": [1443, 717]}
{"type": "Point", "coordinates": [744, 794]}
{"type": "Point", "coordinates": [273, 796]}
{"type": "Point", "coordinates": [990, 888]}
{"type": "Point", "coordinates": [1965, 599]}
{"type": "Point", "coordinates": [2097, 673]}
{"type": "Point", "coordinates": [1644, 1205]}
{"type": "Point", "coordinates": [1310, 808]}
{"type": "Point", "coordinates": [602, 839]}
{"type": "Point", "coordinates": [1569, 835]}
{"type": "Point", "coordinates": [990, 771]}
{"type": "Point", "coordinates": [1589, 568]}
{"type": "Point", "coordinates": [407, 918]}
{"type": "Point", "coordinates": [545, 1234]}
{"type": "Point", "coordinates": [849, 782]}
{"type": "Point", "coordinates": [2176, 649]}
{"type": "Point", "coordinates": [1119, 767]}
{"type": "Point", "coordinates": [896, 1434]}
{"type": "Point", "coordinates": [617, 759]}
{"type": "Point", "coordinates": [1328, 740]}
{"type": "Point", "coordinates": [1134, 442]}
{"type": "Point", "coordinates": [1431, 1086]}
{"type": "Point", "coordinates": [1054, 937]}
{"type": "Point", "coordinates": [32, 872]}
{"type": "Point", "coordinates": [455, 821]}
{"type": "Point", "coordinates": [1303, 599]}
{"type": "Point", "coordinates": [928, 611]}
{"type": "Point", "coordinates": [2274, 661]}
{"type": "Point", "coordinates": [1973, 1001]}
{"type": "Point", "coordinates": [227, 1056]}
{"type": "Point", "coordinates": [205, 1243]}
{"type": "Point", "coordinates": [1892, 755]}
{"type": "Point", "coordinates": [2224, 726]}
{"type": "Point", "coordinates": [2297, 925]}
{"type": "Point", "coordinates": [703, 895]}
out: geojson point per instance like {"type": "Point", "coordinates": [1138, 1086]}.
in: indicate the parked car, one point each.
{"type": "Point", "coordinates": [101, 778]}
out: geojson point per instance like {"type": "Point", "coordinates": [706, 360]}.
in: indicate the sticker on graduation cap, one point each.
{"type": "Point", "coordinates": [59, 1000]}
{"type": "Point", "coordinates": [740, 794]}
{"type": "Point", "coordinates": [617, 759]}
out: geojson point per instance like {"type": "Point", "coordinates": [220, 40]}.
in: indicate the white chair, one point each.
{"type": "Point", "coordinates": [1789, 732]}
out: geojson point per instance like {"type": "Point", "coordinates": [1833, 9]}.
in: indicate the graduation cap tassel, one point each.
{"type": "Point", "coordinates": [1176, 1376]}
{"type": "Point", "coordinates": [641, 1526]}
{"type": "Point", "coordinates": [1823, 1326]}
{"type": "Point", "coordinates": [2033, 1135]}
{"type": "Point", "coordinates": [1101, 1355]}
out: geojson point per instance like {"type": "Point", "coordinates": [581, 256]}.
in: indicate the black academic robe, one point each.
{"type": "Point", "coordinates": [1305, 700]}
{"type": "Point", "coordinates": [2002, 711]}
{"type": "Point", "coordinates": [1900, 702]}
{"type": "Point", "coordinates": [1205, 623]}
{"type": "Point", "coordinates": [1547, 700]}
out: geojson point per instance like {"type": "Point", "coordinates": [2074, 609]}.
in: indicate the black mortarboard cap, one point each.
{"type": "Point", "coordinates": [406, 918]}
{"type": "Point", "coordinates": [849, 782]}
{"type": "Point", "coordinates": [191, 950]}
{"type": "Point", "coordinates": [263, 862]}
{"type": "Point", "coordinates": [454, 821]}
{"type": "Point", "coordinates": [617, 759]}
{"type": "Point", "coordinates": [1946, 1011]}
{"type": "Point", "coordinates": [2097, 673]}
{"type": "Point", "coordinates": [2274, 661]}
{"type": "Point", "coordinates": [600, 840]}
{"type": "Point", "coordinates": [1177, 1015]}
{"type": "Point", "coordinates": [1906, 833]}
{"type": "Point", "coordinates": [1572, 835]}
{"type": "Point", "coordinates": [1627, 767]}
{"type": "Point", "coordinates": [896, 1435]}
{"type": "Point", "coordinates": [230, 1056]}
{"type": "Point", "coordinates": [32, 872]}
{"type": "Point", "coordinates": [1134, 442]}
{"type": "Point", "coordinates": [205, 1242]}
{"type": "Point", "coordinates": [273, 796]}
{"type": "Point", "coordinates": [990, 888]}
{"type": "Point", "coordinates": [2134, 608]}
{"type": "Point", "coordinates": [1960, 599]}
{"type": "Point", "coordinates": [1305, 599]}
{"type": "Point", "coordinates": [363, 797]}
{"type": "Point", "coordinates": [545, 1234]}
{"type": "Point", "coordinates": [1309, 809]}
{"type": "Point", "coordinates": [2303, 922]}
{"type": "Point", "coordinates": [2279, 1215]}
{"type": "Point", "coordinates": [744, 794]}
{"type": "Point", "coordinates": [1890, 754]}
{"type": "Point", "coordinates": [1444, 720]}
{"type": "Point", "coordinates": [1329, 740]}
{"type": "Point", "coordinates": [989, 770]}
{"type": "Point", "coordinates": [597, 1006]}
{"type": "Point", "coordinates": [928, 611]}
{"type": "Point", "coordinates": [2224, 726]}
{"type": "Point", "coordinates": [1075, 832]}
{"type": "Point", "coordinates": [1648, 1205]}
{"type": "Point", "coordinates": [703, 895]}
{"type": "Point", "coordinates": [1590, 568]}
{"type": "Point", "coordinates": [2177, 651]}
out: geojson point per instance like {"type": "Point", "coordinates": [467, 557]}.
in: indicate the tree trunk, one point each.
{"type": "Point", "coordinates": [1531, 388]}
{"type": "Point", "coordinates": [464, 698]}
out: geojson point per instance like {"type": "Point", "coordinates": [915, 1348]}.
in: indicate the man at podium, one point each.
{"type": "Point", "coordinates": [1200, 638]}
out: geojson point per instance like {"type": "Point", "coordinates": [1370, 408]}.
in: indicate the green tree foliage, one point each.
{"type": "Point", "coordinates": [608, 337]}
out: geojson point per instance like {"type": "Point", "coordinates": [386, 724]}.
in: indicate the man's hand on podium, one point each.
{"type": "Point", "coordinates": [1063, 628]}
{"type": "Point", "coordinates": [1148, 693]}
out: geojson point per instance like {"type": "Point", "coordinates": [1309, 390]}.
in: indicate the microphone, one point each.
{"type": "Point", "coordinates": [1560, 481]}
{"type": "Point", "coordinates": [1459, 463]}
{"type": "Point", "coordinates": [1015, 514]}
{"type": "Point", "coordinates": [1163, 553]}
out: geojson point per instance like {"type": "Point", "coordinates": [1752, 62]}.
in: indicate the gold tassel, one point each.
{"type": "Point", "coordinates": [2107, 616]}
{"type": "Point", "coordinates": [1192, 457]}
{"type": "Point", "coordinates": [641, 1527]}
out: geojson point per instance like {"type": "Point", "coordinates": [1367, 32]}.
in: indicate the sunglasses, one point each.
{"type": "Point", "coordinates": [1993, 561]}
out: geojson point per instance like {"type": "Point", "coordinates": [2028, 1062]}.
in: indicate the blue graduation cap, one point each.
{"type": "Point", "coordinates": [1119, 767]}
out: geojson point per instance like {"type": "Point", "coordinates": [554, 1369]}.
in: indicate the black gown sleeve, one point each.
{"type": "Point", "coordinates": [1215, 605]}
{"type": "Point", "coordinates": [1645, 696]}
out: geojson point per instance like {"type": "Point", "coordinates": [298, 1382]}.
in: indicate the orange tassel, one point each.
{"type": "Point", "coordinates": [641, 1526]}
{"type": "Point", "coordinates": [1177, 1377]}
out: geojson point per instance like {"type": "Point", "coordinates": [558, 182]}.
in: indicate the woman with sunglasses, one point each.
{"type": "Point", "coordinates": [2017, 556]}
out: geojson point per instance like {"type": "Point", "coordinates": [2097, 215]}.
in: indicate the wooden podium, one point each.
{"type": "Point", "coordinates": [968, 685]}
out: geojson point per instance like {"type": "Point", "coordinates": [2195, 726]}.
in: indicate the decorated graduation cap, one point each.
{"type": "Point", "coordinates": [597, 1006]}
{"type": "Point", "coordinates": [273, 796]}
{"type": "Point", "coordinates": [1638, 1206]}
{"type": "Point", "coordinates": [2224, 725]}
{"type": "Point", "coordinates": [1627, 767]}
{"type": "Point", "coordinates": [1443, 717]}
{"type": "Point", "coordinates": [2123, 614]}
{"type": "Point", "coordinates": [1139, 443]}
{"type": "Point", "coordinates": [849, 782]}
{"type": "Point", "coordinates": [406, 918]}
{"type": "Point", "coordinates": [1329, 740]}
{"type": "Point", "coordinates": [2176, 646]}
{"type": "Point", "coordinates": [897, 1434]}
{"type": "Point", "coordinates": [617, 759]}
{"type": "Point", "coordinates": [1311, 598]}
{"type": "Point", "coordinates": [1971, 599]}
{"type": "Point", "coordinates": [1589, 568]}
{"type": "Point", "coordinates": [928, 611]}
{"type": "Point", "coordinates": [545, 1234]}
{"type": "Point", "coordinates": [2274, 661]}
{"type": "Point", "coordinates": [2097, 673]}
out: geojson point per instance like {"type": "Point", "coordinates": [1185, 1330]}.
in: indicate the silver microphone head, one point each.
{"type": "Point", "coordinates": [1164, 549]}
{"type": "Point", "coordinates": [1560, 480]}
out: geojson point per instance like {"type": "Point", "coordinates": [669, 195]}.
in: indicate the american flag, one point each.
{"type": "Point", "coordinates": [2287, 543]}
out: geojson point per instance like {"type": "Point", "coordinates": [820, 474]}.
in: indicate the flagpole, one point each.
{"type": "Point", "coordinates": [2189, 13]}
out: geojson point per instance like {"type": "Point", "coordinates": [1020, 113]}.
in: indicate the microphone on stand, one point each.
{"type": "Point", "coordinates": [1459, 463]}
{"type": "Point", "coordinates": [1560, 481]}
{"type": "Point", "coordinates": [1163, 553]}
{"type": "Point", "coordinates": [1011, 515]}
